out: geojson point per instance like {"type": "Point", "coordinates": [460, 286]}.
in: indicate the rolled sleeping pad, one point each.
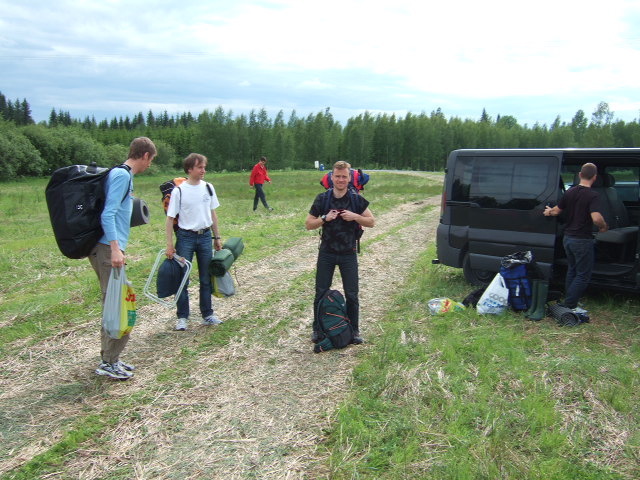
{"type": "Point", "coordinates": [565, 317]}
{"type": "Point", "coordinates": [140, 213]}
{"type": "Point", "coordinates": [221, 262]}
{"type": "Point", "coordinates": [235, 245]}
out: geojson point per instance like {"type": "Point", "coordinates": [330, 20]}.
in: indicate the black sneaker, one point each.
{"type": "Point", "coordinates": [113, 370]}
{"type": "Point", "coordinates": [357, 339]}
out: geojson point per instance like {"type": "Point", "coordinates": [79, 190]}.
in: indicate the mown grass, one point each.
{"type": "Point", "coordinates": [42, 292]}
{"type": "Point", "coordinates": [466, 396]}
{"type": "Point", "coordinates": [452, 396]}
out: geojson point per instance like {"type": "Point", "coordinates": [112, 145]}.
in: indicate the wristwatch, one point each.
{"type": "Point", "coordinates": [323, 218]}
{"type": "Point", "coordinates": [216, 238]}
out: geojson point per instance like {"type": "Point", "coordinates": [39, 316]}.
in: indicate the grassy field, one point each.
{"type": "Point", "coordinates": [457, 396]}
{"type": "Point", "coordinates": [42, 291]}
{"type": "Point", "coordinates": [465, 396]}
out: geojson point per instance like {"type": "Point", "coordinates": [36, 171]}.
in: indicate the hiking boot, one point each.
{"type": "Point", "coordinates": [357, 339]}
{"type": "Point", "coordinates": [181, 324]}
{"type": "Point", "coordinates": [211, 320]}
{"type": "Point", "coordinates": [113, 370]}
{"type": "Point", "coordinates": [125, 366]}
{"type": "Point", "coordinates": [315, 337]}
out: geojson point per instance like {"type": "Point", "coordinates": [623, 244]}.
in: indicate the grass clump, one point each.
{"type": "Point", "coordinates": [468, 396]}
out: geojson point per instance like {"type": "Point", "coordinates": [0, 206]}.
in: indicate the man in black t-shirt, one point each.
{"type": "Point", "coordinates": [339, 218]}
{"type": "Point", "coordinates": [580, 205]}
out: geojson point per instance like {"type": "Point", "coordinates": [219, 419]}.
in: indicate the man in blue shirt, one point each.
{"type": "Point", "coordinates": [109, 251]}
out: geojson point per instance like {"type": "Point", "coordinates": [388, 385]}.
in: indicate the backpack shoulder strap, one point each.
{"type": "Point", "coordinates": [128, 169]}
{"type": "Point", "coordinates": [326, 204]}
{"type": "Point", "coordinates": [355, 178]}
{"type": "Point", "coordinates": [210, 189]}
{"type": "Point", "coordinates": [355, 199]}
{"type": "Point", "coordinates": [180, 199]}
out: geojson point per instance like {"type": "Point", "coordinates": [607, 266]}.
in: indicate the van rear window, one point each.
{"type": "Point", "coordinates": [509, 182]}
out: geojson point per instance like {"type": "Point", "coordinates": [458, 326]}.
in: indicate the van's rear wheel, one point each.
{"type": "Point", "coordinates": [475, 276]}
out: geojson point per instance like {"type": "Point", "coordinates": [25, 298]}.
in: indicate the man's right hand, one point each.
{"type": "Point", "coordinates": [332, 215]}
{"type": "Point", "coordinates": [171, 251]}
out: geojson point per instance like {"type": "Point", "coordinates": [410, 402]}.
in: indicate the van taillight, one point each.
{"type": "Point", "coordinates": [443, 202]}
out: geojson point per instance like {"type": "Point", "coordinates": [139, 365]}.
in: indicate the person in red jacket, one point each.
{"type": "Point", "coordinates": [258, 177]}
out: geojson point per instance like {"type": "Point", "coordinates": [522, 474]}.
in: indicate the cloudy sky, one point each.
{"type": "Point", "coordinates": [531, 60]}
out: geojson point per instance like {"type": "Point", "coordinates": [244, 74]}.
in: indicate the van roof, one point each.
{"type": "Point", "coordinates": [570, 156]}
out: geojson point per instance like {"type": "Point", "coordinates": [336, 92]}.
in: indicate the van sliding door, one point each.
{"type": "Point", "coordinates": [508, 195]}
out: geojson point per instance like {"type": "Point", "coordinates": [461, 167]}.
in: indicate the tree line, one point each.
{"type": "Point", "coordinates": [235, 142]}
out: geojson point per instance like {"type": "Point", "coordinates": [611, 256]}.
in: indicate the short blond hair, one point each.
{"type": "Point", "coordinates": [341, 165]}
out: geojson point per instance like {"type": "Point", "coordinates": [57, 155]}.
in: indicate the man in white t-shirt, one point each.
{"type": "Point", "coordinates": [194, 203]}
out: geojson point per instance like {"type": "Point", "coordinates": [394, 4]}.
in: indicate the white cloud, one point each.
{"type": "Point", "coordinates": [352, 55]}
{"type": "Point", "coordinates": [315, 84]}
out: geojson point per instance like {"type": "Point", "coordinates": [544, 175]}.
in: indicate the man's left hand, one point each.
{"type": "Point", "coordinates": [349, 216]}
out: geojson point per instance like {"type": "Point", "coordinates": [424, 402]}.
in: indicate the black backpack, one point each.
{"type": "Point", "coordinates": [334, 328]}
{"type": "Point", "coordinates": [354, 202]}
{"type": "Point", "coordinates": [75, 198]}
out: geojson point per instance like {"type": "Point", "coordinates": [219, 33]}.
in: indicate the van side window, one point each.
{"type": "Point", "coordinates": [520, 183]}
{"type": "Point", "coordinates": [625, 180]}
{"type": "Point", "coordinates": [462, 176]}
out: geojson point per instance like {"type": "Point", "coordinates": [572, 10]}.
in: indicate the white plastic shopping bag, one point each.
{"type": "Point", "coordinates": [223, 286]}
{"type": "Point", "coordinates": [119, 314]}
{"type": "Point", "coordinates": [495, 298]}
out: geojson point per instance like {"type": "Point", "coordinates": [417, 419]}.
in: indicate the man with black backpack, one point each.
{"type": "Point", "coordinates": [109, 252]}
{"type": "Point", "coordinates": [341, 213]}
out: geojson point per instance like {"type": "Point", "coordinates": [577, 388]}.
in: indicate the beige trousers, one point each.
{"type": "Point", "coordinates": [100, 258]}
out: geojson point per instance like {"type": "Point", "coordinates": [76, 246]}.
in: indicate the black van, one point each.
{"type": "Point", "coordinates": [493, 201]}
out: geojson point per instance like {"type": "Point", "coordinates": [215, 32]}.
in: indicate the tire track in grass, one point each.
{"type": "Point", "coordinates": [44, 387]}
{"type": "Point", "coordinates": [258, 406]}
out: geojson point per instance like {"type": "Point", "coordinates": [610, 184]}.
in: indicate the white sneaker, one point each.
{"type": "Point", "coordinates": [113, 370]}
{"type": "Point", "coordinates": [126, 367]}
{"type": "Point", "coordinates": [211, 320]}
{"type": "Point", "coordinates": [579, 310]}
{"type": "Point", "coordinates": [181, 324]}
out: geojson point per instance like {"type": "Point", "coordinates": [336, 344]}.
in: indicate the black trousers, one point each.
{"type": "Point", "coordinates": [325, 268]}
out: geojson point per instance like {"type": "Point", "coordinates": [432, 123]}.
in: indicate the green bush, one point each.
{"type": "Point", "coordinates": [18, 156]}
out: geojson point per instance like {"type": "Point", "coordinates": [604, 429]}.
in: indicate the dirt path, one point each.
{"type": "Point", "coordinates": [248, 409]}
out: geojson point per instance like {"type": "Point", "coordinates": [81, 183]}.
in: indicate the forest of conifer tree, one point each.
{"type": "Point", "coordinates": [234, 142]}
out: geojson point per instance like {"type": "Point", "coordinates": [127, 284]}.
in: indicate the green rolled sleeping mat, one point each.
{"type": "Point", "coordinates": [221, 262]}
{"type": "Point", "coordinates": [235, 245]}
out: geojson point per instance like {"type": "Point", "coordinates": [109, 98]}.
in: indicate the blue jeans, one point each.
{"type": "Point", "coordinates": [348, 265]}
{"type": "Point", "coordinates": [580, 256]}
{"type": "Point", "coordinates": [259, 196]}
{"type": "Point", "coordinates": [187, 244]}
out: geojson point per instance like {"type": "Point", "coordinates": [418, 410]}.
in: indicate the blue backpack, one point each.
{"type": "Point", "coordinates": [516, 280]}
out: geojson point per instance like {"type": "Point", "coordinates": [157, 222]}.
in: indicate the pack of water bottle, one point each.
{"type": "Point", "coordinates": [444, 305]}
